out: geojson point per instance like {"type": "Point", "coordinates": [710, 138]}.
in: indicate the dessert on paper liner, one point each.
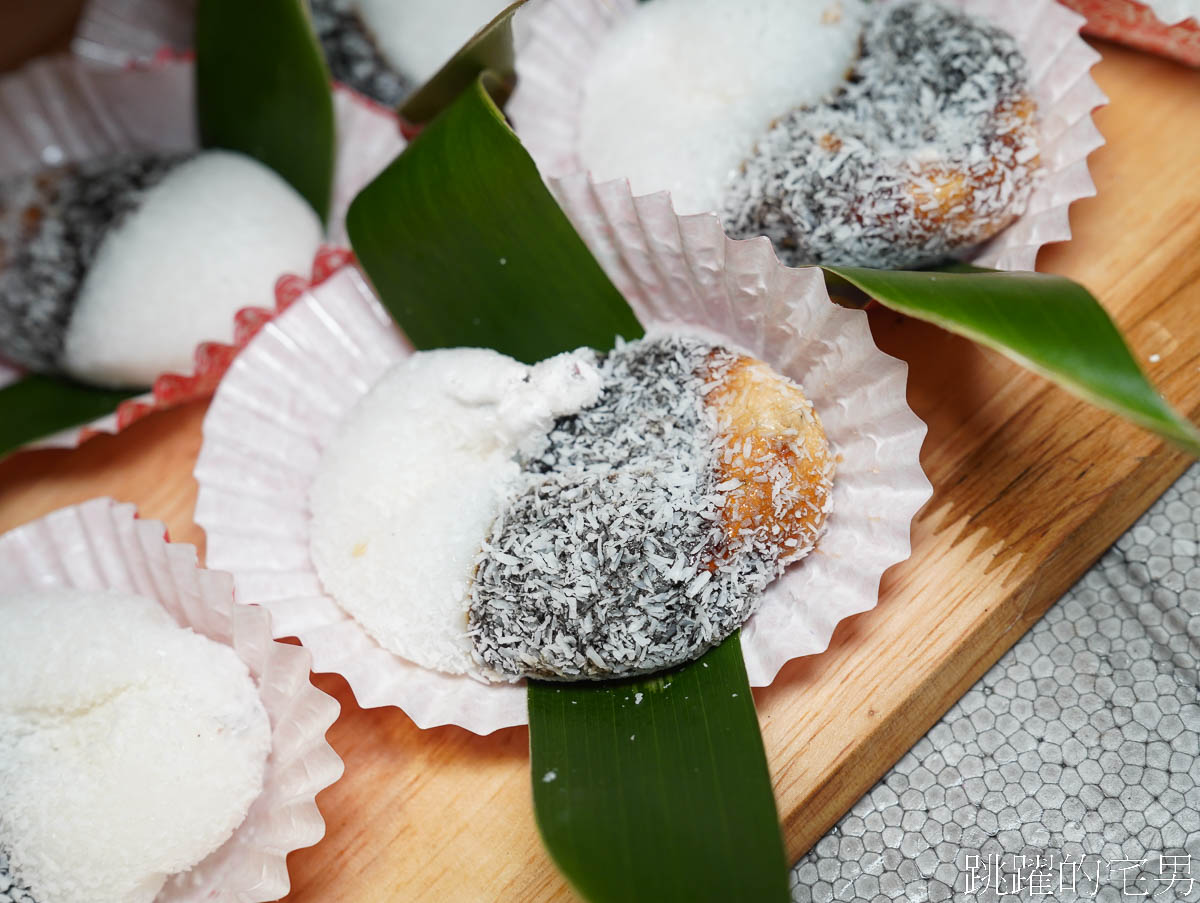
{"type": "Point", "coordinates": [101, 552]}
{"type": "Point", "coordinates": [62, 112]}
{"type": "Point", "coordinates": [286, 400]}
{"type": "Point", "coordinates": [382, 49]}
{"type": "Point", "coordinates": [567, 38]}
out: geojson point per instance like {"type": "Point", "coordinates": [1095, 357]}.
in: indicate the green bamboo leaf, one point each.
{"type": "Point", "coordinates": [489, 50]}
{"type": "Point", "coordinates": [657, 790]}
{"type": "Point", "coordinates": [1047, 323]}
{"type": "Point", "coordinates": [262, 88]}
{"type": "Point", "coordinates": [39, 406]}
{"type": "Point", "coordinates": [466, 247]}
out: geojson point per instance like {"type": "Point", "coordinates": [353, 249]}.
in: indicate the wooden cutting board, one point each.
{"type": "Point", "coordinates": [1031, 486]}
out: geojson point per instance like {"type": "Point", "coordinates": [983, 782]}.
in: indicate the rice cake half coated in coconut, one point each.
{"type": "Point", "coordinates": [646, 530]}
{"type": "Point", "coordinates": [408, 488]}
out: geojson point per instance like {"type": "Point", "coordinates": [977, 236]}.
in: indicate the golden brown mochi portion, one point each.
{"type": "Point", "coordinates": [774, 446]}
{"type": "Point", "coordinates": [953, 199]}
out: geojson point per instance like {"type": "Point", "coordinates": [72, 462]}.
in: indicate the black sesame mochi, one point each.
{"type": "Point", "coordinates": [628, 545]}
{"type": "Point", "coordinates": [113, 270]}
{"type": "Point", "coordinates": [929, 149]}
{"type": "Point", "coordinates": [385, 49]}
{"type": "Point", "coordinates": [51, 226]}
{"type": "Point", "coordinates": [354, 57]}
{"type": "Point", "coordinates": [582, 518]}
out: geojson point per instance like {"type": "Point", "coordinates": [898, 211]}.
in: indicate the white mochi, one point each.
{"type": "Point", "coordinates": [209, 239]}
{"type": "Point", "coordinates": [407, 491]}
{"type": "Point", "coordinates": [417, 37]}
{"type": "Point", "coordinates": [681, 90]}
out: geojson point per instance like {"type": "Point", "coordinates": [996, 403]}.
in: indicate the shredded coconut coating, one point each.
{"type": "Point", "coordinates": [353, 55]}
{"type": "Point", "coordinates": [614, 553]}
{"type": "Point", "coordinates": [16, 891]}
{"type": "Point", "coordinates": [51, 226]}
{"type": "Point", "coordinates": [408, 489]}
{"type": "Point", "coordinates": [929, 149]}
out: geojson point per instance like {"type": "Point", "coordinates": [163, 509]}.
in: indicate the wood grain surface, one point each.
{"type": "Point", "coordinates": [1031, 486]}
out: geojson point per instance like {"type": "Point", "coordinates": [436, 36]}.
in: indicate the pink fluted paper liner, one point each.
{"type": "Point", "coordinates": [102, 545]}
{"type": "Point", "coordinates": [123, 32]}
{"type": "Point", "coordinates": [61, 109]}
{"type": "Point", "coordinates": [278, 406]}
{"type": "Point", "coordinates": [283, 398]}
{"type": "Point", "coordinates": [1167, 27]}
{"type": "Point", "coordinates": [130, 32]}
{"type": "Point", "coordinates": [564, 36]}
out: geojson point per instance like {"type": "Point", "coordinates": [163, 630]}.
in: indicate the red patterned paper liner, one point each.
{"type": "Point", "coordinates": [163, 55]}
{"type": "Point", "coordinates": [214, 358]}
{"type": "Point", "coordinates": [1136, 24]}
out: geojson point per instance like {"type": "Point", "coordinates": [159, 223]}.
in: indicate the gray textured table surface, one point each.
{"type": "Point", "coordinates": [1071, 770]}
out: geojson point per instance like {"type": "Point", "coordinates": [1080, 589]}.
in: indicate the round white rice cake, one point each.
{"type": "Point", "coordinates": [130, 748]}
{"type": "Point", "coordinates": [209, 239]}
{"type": "Point", "coordinates": [418, 37]}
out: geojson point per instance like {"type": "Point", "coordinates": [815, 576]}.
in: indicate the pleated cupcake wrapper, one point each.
{"type": "Point", "coordinates": [284, 397]}
{"type": "Point", "coordinates": [1168, 27]}
{"type": "Point", "coordinates": [567, 34]}
{"type": "Point", "coordinates": [102, 545]}
{"type": "Point", "coordinates": [132, 32]}
{"type": "Point", "coordinates": [62, 109]}
{"type": "Point", "coordinates": [121, 32]}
